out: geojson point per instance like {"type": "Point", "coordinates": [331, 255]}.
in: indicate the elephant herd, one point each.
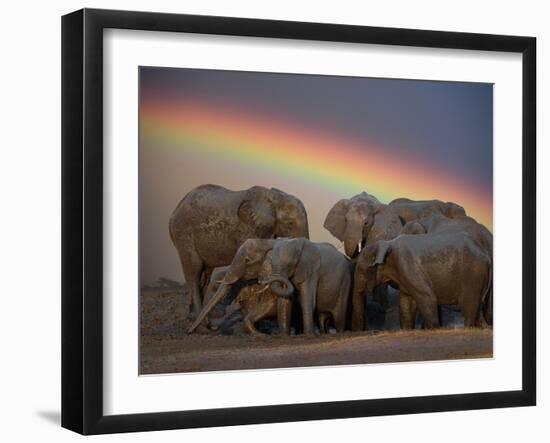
{"type": "Point", "coordinates": [246, 255]}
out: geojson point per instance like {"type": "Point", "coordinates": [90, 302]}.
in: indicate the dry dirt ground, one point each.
{"type": "Point", "coordinates": [166, 348]}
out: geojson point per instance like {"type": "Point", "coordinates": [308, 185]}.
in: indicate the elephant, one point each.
{"type": "Point", "coordinates": [409, 210]}
{"type": "Point", "coordinates": [252, 302]}
{"type": "Point", "coordinates": [363, 220]}
{"type": "Point", "coordinates": [438, 223]}
{"type": "Point", "coordinates": [211, 222]}
{"type": "Point", "coordinates": [322, 276]}
{"type": "Point", "coordinates": [252, 261]}
{"type": "Point", "coordinates": [430, 269]}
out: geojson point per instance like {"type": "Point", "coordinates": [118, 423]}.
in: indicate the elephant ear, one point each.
{"type": "Point", "coordinates": [335, 222]}
{"type": "Point", "coordinates": [452, 210]}
{"type": "Point", "coordinates": [382, 251]}
{"type": "Point", "coordinates": [257, 210]}
{"type": "Point", "coordinates": [309, 261]}
{"type": "Point", "coordinates": [413, 228]}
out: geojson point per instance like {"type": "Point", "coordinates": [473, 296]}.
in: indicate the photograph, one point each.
{"type": "Point", "coordinates": [295, 220]}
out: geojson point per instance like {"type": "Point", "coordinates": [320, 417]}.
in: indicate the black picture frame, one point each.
{"type": "Point", "coordinates": [82, 219]}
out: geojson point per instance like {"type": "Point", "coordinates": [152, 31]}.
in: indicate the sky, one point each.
{"type": "Point", "coordinates": [320, 138]}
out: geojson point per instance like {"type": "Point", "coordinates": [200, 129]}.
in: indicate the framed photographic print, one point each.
{"type": "Point", "coordinates": [269, 221]}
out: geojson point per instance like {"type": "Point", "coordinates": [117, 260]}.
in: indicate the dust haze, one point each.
{"type": "Point", "coordinates": [167, 175]}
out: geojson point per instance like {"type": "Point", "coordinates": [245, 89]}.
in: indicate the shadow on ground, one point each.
{"type": "Point", "coordinates": [53, 417]}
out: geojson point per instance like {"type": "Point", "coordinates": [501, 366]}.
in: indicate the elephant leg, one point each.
{"type": "Point", "coordinates": [194, 294]}
{"type": "Point", "coordinates": [487, 310]}
{"type": "Point", "coordinates": [407, 312]}
{"type": "Point", "coordinates": [339, 319]}
{"type": "Point", "coordinates": [257, 313]}
{"type": "Point", "coordinates": [204, 280]}
{"type": "Point", "coordinates": [358, 318]}
{"type": "Point", "coordinates": [439, 316]}
{"type": "Point", "coordinates": [358, 302]}
{"type": "Point", "coordinates": [471, 313]}
{"type": "Point", "coordinates": [427, 305]}
{"type": "Point", "coordinates": [192, 277]}
{"type": "Point", "coordinates": [284, 312]}
{"type": "Point", "coordinates": [249, 327]}
{"type": "Point", "coordinates": [339, 315]}
{"type": "Point", "coordinates": [413, 311]}
{"type": "Point", "coordinates": [323, 319]}
{"type": "Point", "coordinates": [481, 322]}
{"type": "Point", "coordinates": [192, 267]}
{"type": "Point", "coordinates": [307, 301]}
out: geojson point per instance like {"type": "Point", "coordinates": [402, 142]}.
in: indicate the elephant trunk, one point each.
{"type": "Point", "coordinates": [358, 319]}
{"type": "Point", "coordinates": [353, 238]}
{"type": "Point", "coordinates": [220, 294]}
{"type": "Point", "coordinates": [281, 286]}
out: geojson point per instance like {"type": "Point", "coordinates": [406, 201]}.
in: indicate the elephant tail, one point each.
{"type": "Point", "coordinates": [488, 298]}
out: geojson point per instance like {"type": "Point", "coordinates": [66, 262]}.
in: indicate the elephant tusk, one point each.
{"type": "Point", "coordinates": [271, 279]}
{"type": "Point", "coordinates": [265, 288]}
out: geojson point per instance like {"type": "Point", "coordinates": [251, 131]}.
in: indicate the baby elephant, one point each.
{"type": "Point", "coordinates": [253, 302]}
{"type": "Point", "coordinates": [430, 269]}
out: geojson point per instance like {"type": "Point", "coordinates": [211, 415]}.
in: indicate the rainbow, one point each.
{"type": "Point", "coordinates": [329, 160]}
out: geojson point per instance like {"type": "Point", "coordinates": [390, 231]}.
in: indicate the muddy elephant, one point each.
{"type": "Point", "coordinates": [363, 220]}
{"type": "Point", "coordinates": [322, 276]}
{"type": "Point", "coordinates": [211, 222]}
{"type": "Point", "coordinates": [358, 222]}
{"type": "Point", "coordinates": [430, 269]}
{"type": "Point", "coordinates": [439, 224]}
{"type": "Point", "coordinates": [251, 303]}
{"type": "Point", "coordinates": [409, 210]}
{"type": "Point", "coordinates": [252, 261]}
